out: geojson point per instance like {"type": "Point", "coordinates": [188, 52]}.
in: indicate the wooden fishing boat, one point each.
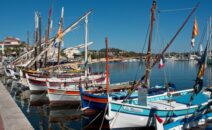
{"type": "Point", "coordinates": [68, 90]}
{"type": "Point", "coordinates": [139, 112]}
{"type": "Point", "coordinates": [41, 83]}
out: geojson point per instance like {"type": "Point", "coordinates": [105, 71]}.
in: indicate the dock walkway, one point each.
{"type": "Point", "coordinates": [11, 116]}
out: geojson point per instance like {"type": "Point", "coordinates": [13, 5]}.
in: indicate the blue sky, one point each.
{"type": "Point", "coordinates": [125, 22]}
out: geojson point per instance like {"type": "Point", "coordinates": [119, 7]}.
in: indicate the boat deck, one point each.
{"type": "Point", "coordinates": [178, 102]}
{"type": "Point", "coordinates": [166, 105]}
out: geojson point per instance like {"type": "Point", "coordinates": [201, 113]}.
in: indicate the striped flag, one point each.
{"type": "Point", "coordinates": [195, 32]}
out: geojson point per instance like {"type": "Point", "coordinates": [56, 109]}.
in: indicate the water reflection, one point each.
{"type": "Point", "coordinates": [43, 116]}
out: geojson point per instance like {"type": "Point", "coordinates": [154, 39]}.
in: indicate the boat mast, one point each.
{"type": "Point", "coordinates": [148, 59]}
{"type": "Point", "coordinates": [60, 35]}
{"type": "Point", "coordinates": [48, 31]}
{"type": "Point", "coordinates": [209, 38]}
{"type": "Point", "coordinates": [107, 66]}
{"type": "Point", "coordinates": [86, 45]}
{"type": "Point", "coordinates": [36, 36]}
{"type": "Point", "coordinates": [39, 37]}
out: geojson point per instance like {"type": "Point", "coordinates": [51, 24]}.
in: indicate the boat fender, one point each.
{"type": "Point", "coordinates": [109, 117]}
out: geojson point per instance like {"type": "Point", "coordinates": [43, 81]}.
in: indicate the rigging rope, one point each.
{"type": "Point", "coordinates": [145, 42]}
{"type": "Point", "coordinates": [103, 116]}
{"type": "Point", "coordinates": [174, 10]}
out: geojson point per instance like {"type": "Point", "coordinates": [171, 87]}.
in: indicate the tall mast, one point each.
{"type": "Point", "coordinates": [39, 40]}
{"type": "Point", "coordinates": [86, 44]}
{"type": "Point", "coordinates": [148, 60]}
{"type": "Point", "coordinates": [60, 36]}
{"type": "Point", "coordinates": [209, 38]}
{"type": "Point", "coordinates": [48, 31]}
{"type": "Point", "coordinates": [36, 36]}
{"type": "Point", "coordinates": [107, 67]}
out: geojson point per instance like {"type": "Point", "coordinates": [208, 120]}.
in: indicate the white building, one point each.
{"type": "Point", "coordinates": [9, 42]}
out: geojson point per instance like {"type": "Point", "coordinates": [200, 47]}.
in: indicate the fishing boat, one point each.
{"type": "Point", "coordinates": [99, 100]}
{"type": "Point", "coordinates": [139, 112]}
{"type": "Point", "coordinates": [68, 91]}
{"type": "Point", "coordinates": [39, 84]}
{"type": "Point", "coordinates": [38, 81]}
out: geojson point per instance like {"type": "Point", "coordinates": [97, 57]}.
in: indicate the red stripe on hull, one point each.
{"type": "Point", "coordinates": [35, 82]}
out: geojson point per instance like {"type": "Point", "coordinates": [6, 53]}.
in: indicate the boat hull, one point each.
{"type": "Point", "coordinates": [63, 96]}
{"type": "Point", "coordinates": [94, 101]}
{"type": "Point", "coordinates": [37, 84]}
{"type": "Point", "coordinates": [125, 117]}
{"type": "Point", "coordinates": [130, 114]}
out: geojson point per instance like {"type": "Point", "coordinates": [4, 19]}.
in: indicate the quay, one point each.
{"type": "Point", "coordinates": [11, 116]}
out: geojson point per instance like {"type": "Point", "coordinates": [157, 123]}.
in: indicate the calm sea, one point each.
{"type": "Point", "coordinates": [44, 117]}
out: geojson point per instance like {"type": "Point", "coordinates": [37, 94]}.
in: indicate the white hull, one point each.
{"type": "Point", "coordinates": [64, 95]}
{"type": "Point", "coordinates": [123, 120]}
{"type": "Point", "coordinates": [40, 84]}
{"type": "Point", "coordinates": [63, 98]}
{"type": "Point", "coordinates": [125, 115]}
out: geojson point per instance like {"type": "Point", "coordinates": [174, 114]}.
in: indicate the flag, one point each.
{"type": "Point", "coordinates": [202, 66]}
{"type": "Point", "coordinates": [161, 64]}
{"type": "Point", "coordinates": [202, 63]}
{"type": "Point", "coordinates": [159, 122]}
{"type": "Point", "coordinates": [195, 32]}
{"type": "Point", "coordinates": [60, 30]}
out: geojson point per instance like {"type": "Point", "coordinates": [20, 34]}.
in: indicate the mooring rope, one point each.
{"type": "Point", "coordinates": [103, 117]}
{"type": "Point", "coordinates": [93, 120]}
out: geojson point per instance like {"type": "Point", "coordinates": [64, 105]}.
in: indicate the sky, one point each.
{"type": "Point", "coordinates": [125, 22]}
